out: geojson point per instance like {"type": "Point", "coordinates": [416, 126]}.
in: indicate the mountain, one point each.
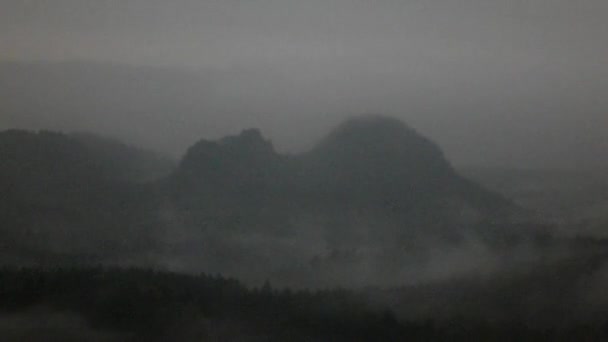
{"type": "Point", "coordinates": [65, 197]}
{"type": "Point", "coordinates": [374, 164]}
{"type": "Point", "coordinates": [123, 161]}
{"type": "Point", "coordinates": [373, 190]}
{"type": "Point", "coordinates": [576, 199]}
{"type": "Point", "coordinates": [382, 160]}
{"type": "Point", "coordinates": [235, 162]}
{"type": "Point", "coordinates": [374, 193]}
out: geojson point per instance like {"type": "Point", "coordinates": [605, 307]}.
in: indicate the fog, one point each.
{"type": "Point", "coordinates": [518, 84]}
{"type": "Point", "coordinates": [303, 170]}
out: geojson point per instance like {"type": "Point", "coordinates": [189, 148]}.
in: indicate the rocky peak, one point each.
{"type": "Point", "coordinates": [375, 148]}
{"type": "Point", "coordinates": [241, 158]}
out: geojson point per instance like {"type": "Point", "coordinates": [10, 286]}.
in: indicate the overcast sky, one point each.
{"type": "Point", "coordinates": [513, 82]}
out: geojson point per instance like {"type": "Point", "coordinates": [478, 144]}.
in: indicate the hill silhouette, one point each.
{"type": "Point", "coordinates": [73, 198]}
{"type": "Point", "coordinates": [373, 190]}
{"type": "Point", "coordinates": [371, 163]}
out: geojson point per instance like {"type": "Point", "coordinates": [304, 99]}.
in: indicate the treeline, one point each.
{"type": "Point", "coordinates": [161, 306]}
{"type": "Point", "coordinates": [152, 305]}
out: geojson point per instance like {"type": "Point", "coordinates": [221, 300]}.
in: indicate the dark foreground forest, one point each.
{"type": "Point", "coordinates": [145, 305]}
{"type": "Point", "coordinates": [97, 304]}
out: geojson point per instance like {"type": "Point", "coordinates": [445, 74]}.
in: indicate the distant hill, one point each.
{"type": "Point", "coordinates": [168, 108]}
{"type": "Point", "coordinates": [373, 192]}
{"type": "Point", "coordinates": [51, 154]}
{"type": "Point", "coordinates": [576, 199]}
{"type": "Point", "coordinates": [67, 196]}
{"type": "Point", "coordinates": [125, 162]}
{"type": "Point", "coordinates": [373, 189]}
{"type": "Point", "coordinates": [384, 160]}
{"type": "Point", "coordinates": [369, 163]}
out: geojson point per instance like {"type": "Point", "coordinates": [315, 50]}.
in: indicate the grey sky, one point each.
{"type": "Point", "coordinates": [512, 82]}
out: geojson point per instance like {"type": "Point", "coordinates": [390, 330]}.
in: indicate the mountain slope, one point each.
{"type": "Point", "coordinates": [374, 192]}
{"type": "Point", "coordinates": [64, 198]}
{"type": "Point", "coordinates": [370, 163]}
{"type": "Point", "coordinates": [369, 199]}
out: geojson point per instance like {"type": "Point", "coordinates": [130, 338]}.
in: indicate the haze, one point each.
{"type": "Point", "coordinates": [511, 83]}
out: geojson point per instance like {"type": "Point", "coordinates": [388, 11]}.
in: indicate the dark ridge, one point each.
{"type": "Point", "coordinates": [371, 164]}
{"type": "Point", "coordinates": [382, 153]}
{"type": "Point", "coordinates": [234, 162]}
{"type": "Point", "coordinates": [373, 185]}
{"type": "Point", "coordinates": [161, 306]}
